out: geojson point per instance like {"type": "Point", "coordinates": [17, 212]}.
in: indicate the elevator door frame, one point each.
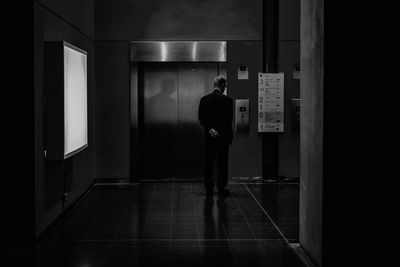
{"type": "Point", "coordinates": [163, 51]}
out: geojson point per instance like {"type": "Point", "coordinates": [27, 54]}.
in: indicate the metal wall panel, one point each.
{"type": "Point", "coordinates": [160, 121]}
{"type": "Point", "coordinates": [174, 51]}
{"type": "Point", "coordinates": [171, 136]}
{"type": "Point", "coordinates": [192, 84]}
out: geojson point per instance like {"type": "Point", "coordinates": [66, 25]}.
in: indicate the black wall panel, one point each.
{"type": "Point", "coordinates": [112, 110]}
{"type": "Point", "coordinates": [120, 20]}
{"type": "Point", "coordinates": [50, 182]}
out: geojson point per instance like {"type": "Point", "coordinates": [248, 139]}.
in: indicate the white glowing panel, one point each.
{"type": "Point", "coordinates": [75, 100]}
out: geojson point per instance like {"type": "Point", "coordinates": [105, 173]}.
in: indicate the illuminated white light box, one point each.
{"type": "Point", "coordinates": [65, 78]}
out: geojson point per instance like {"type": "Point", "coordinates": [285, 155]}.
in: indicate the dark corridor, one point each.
{"type": "Point", "coordinates": [173, 224]}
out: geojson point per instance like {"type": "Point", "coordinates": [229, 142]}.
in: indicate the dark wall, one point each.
{"type": "Point", "coordinates": [112, 110]}
{"type": "Point", "coordinates": [246, 151]}
{"type": "Point", "coordinates": [289, 55]}
{"type": "Point", "coordinates": [121, 20]}
{"type": "Point", "coordinates": [311, 128]}
{"type": "Point", "coordinates": [77, 13]}
{"type": "Point", "coordinates": [18, 183]}
{"type": "Point", "coordinates": [289, 20]}
{"type": "Point", "coordinates": [49, 178]}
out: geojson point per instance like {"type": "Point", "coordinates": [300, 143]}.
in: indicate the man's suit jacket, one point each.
{"type": "Point", "coordinates": [216, 111]}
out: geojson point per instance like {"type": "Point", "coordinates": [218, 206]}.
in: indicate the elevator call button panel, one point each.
{"type": "Point", "coordinates": [242, 115]}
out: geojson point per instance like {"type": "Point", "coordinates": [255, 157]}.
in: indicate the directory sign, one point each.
{"type": "Point", "coordinates": [270, 102]}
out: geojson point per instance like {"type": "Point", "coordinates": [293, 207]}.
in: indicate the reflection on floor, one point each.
{"type": "Point", "coordinates": [174, 224]}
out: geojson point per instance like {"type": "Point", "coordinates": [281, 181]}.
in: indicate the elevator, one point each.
{"type": "Point", "coordinates": [168, 81]}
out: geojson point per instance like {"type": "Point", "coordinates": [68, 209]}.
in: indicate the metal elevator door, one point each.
{"type": "Point", "coordinates": [171, 137]}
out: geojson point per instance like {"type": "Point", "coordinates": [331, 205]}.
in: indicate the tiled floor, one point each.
{"type": "Point", "coordinates": [174, 224]}
{"type": "Point", "coordinates": [281, 203]}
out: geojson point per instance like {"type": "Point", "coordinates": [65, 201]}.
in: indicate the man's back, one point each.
{"type": "Point", "coordinates": [215, 115]}
{"type": "Point", "coordinates": [216, 111]}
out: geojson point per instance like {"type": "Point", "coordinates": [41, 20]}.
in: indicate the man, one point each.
{"type": "Point", "coordinates": [215, 115]}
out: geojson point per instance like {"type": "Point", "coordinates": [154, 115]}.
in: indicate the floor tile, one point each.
{"type": "Point", "coordinates": [172, 224]}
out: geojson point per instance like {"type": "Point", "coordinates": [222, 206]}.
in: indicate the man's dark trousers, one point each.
{"type": "Point", "coordinates": [214, 150]}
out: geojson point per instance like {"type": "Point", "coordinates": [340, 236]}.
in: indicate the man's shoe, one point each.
{"type": "Point", "coordinates": [224, 192]}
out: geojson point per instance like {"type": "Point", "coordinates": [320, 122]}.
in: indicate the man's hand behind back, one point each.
{"type": "Point", "coordinates": [213, 133]}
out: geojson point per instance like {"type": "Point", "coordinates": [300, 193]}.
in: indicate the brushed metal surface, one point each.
{"type": "Point", "coordinates": [242, 115]}
{"type": "Point", "coordinates": [160, 121]}
{"type": "Point", "coordinates": [172, 137]}
{"type": "Point", "coordinates": [174, 51]}
{"type": "Point", "coordinates": [194, 80]}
